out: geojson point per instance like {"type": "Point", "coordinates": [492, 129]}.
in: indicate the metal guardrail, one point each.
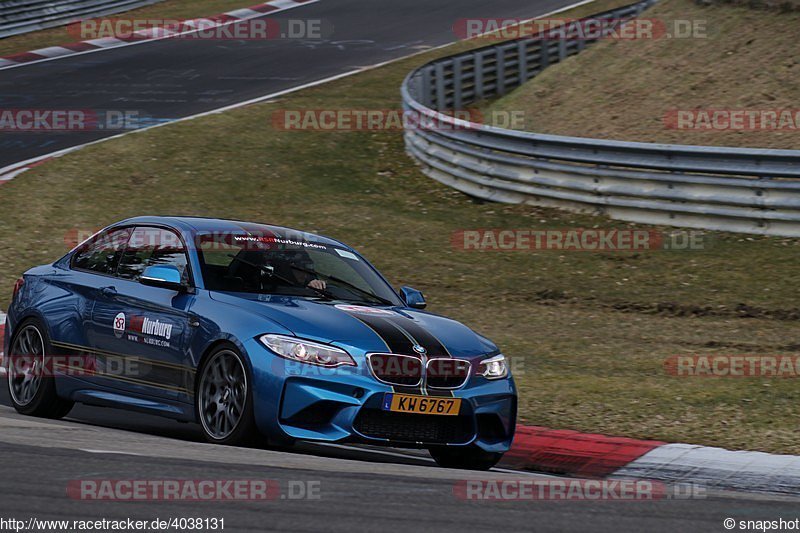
{"type": "Point", "coordinates": [728, 189]}
{"type": "Point", "coordinates": [22, 16]}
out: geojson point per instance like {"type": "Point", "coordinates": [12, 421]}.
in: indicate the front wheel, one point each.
{"type": "Point", "coordinates": [31, 384]}
{"type": "Point", "coordinates": [224, 399]}
{"type": "Point", "coordinates": [464, 457]}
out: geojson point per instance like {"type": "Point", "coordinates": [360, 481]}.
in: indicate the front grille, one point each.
{"type": "Point", "coordinates": [395, 369]}
{"type": "Point", "coordinates": [447, 373]}
{"type": "Point", "coordinates": [405, 427]}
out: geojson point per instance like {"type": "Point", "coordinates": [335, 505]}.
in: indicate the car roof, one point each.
{"type": "Point", "coordinates": [195, 225]}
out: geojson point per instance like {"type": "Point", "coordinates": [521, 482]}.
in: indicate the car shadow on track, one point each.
{"type": "Point", "coordinates": [119, 419]}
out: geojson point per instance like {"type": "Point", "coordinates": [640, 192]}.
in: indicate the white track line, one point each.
{"type": "Point", "coordinates": [419, 458]}
{"type": "Point", "coordinates": [110, 452]}
{"type": "Point", "coordinates": [370, 450]}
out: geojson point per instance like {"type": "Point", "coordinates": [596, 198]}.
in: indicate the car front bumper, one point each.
{"type": "Point", "coordinates": [300, 401]}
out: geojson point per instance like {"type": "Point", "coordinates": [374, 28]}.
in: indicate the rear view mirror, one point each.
{"type": "Point", "coordinates": [164, 276]}
{"type": "Point", "coordinates": [413, 298]}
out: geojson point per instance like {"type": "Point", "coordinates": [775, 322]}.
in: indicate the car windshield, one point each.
{"type": "Point", "coordinates": [290, 265]}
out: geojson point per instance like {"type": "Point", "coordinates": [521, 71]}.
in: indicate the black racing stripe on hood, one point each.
{"type": "Point", "coordinates": [394, 338]}
{"type": "Point", "coordinates": [433, 347]}
{"type": "Point", "coordinates": [396, 329]}
{"type": "Point", "coordinates": [395, 332]}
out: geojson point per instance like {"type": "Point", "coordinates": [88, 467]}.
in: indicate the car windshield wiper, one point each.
{"type": "Point", "coordinates": [340, 281]}
{"type": "Point", "coordinates": [270, 272]}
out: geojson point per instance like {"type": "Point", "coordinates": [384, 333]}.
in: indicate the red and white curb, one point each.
{"type": "Point", "coordinates": [12, 171]}
{"type": "Point", "coordinates": [718, 468]}
{"type": "Point", "coordinates": [573, 453]}
{"type": "Point", "coordinates": [149, 35]}
{"type": "Point", "coordinates": [598, 456]}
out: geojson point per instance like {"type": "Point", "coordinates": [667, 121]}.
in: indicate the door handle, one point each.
{"type": "Point", "coordinates": [108, 292]}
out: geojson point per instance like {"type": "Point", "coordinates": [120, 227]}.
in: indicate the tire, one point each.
{"type": "Point", "coordinates": [224, 403]}
{"type": "Point", "coordinates": [30, 394]}
{"type": "Point", "coordinates": [464, 457]}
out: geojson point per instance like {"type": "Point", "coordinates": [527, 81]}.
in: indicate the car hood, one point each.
{"type": "Point", "coordinates": [367, 328]}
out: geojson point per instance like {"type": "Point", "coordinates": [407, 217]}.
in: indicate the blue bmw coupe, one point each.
{"type": "Point", "coordinates": [254, 331]}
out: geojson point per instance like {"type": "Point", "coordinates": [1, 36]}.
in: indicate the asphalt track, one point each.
{"type": "Point", "coordinates": [175, 78]}
{"type": "Point", "coordinates": [360, 489]}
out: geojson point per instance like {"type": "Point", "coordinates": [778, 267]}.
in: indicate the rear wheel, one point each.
{"type": "Point", "coordinates": [464, 457]}
{"type": "Point", "coordinates": [31, 384]}
{"type": "Point", "coordinates": [224, 400]}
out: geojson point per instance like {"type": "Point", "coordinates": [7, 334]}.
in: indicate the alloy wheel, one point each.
{"type": "Point", "coordinates": [223, 394]}
{"type": "Point", "coordinates": [26, 365]}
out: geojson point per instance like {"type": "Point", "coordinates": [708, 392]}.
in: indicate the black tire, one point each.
{"type": "Point", "coordinates": [44, 402]}
{"type": "Point", "coordinates": [244, 431]}
{"type": "Point", "coordinates": [464, 457]}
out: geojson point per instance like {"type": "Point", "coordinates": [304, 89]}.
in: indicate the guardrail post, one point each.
{"type": "Point", "coordinates": [441, 95]}
{"type": "Point", "coordinates": [562, 49]}
{"type": "Point", "coordinates": [522, 61]}
{"type": "Point", "coordinates": [500, 65]}
{"type": "Point", "coordinates": [478, 76]}
{"type": "Point", "coordinates": [427, 88]}
{"type": "Point", "coordinates": [544, 54]}
{"type": "Point", "coordinates": [458, 71]}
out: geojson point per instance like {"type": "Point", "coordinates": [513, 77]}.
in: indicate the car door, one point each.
{"type": "Point", "coordinates": [146, 328]}
{"type": "Point", "coordinates": [73, 291]}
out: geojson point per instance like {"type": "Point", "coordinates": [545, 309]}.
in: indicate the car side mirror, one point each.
{"type": "Point", "coordinates": [163, 276]}
{"type": "Point", "coordinates": [413, 298]}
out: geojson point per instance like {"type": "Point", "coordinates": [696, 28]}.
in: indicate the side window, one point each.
{"type": "Point", "coordinates": [152, 246]}
{"type": "Point", "coordinates": [102, 253]}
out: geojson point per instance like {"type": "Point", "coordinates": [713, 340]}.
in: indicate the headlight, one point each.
{"type": "Point", "coordinates": [309, 352]}
{"type": "Point", "coordinates": [494, 367]}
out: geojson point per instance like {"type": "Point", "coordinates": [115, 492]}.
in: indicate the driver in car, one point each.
{"type": "Point", "coordinates": [293, 267]}
{"type": "Point", "coordinates": [284, 260]}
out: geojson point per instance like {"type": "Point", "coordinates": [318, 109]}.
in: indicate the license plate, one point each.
{"type": "Point", "coordinates": [426, 405]}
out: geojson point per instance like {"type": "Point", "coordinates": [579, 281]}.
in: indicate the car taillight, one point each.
{"type": "Point", "coordinates": [17, 286]}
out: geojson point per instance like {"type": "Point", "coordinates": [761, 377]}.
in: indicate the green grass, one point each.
{"type": "Point", "coordinates": [620, 89]}
{"type": "Point", "coordinates": [588, 332]}
{"type": "Point", "coordinates": [170, 9]}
